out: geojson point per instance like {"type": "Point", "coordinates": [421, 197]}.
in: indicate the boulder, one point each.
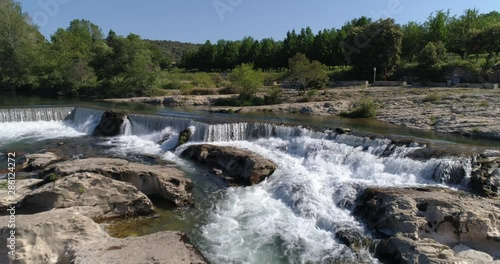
{"type": "Point", "coordinates": [244, 166]}
{"type": "Point", "coordinates": [23, 187]}
{"type": "Point", "coordinates": [342, 131]}
{"type": "Point", "coordinates": [163, 247]}
{"type": "Point", "coordinates": [41, 160]}
{"type": "Point", "coordinates": [65, 236]}
{"type": "Point", "coordinates": [417, 224]}
{"type": "Point", "coordinates": [165, 182]}
{"type": "Point", "coordinates": [184, 136]}
{"type": "Point", "coordinates": [93, 195]}
{"type": "Point", "coordinates": [485, 176]}
{"type": "Point", "coordinates": [49, 237]}
{"type": "Point", "coordinates": [110, 124]}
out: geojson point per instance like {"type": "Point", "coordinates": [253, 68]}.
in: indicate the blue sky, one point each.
{"type": "Point", "coordinates": [198, 20]}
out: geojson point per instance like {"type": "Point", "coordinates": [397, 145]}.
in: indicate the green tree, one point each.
{"type": "Point", "coordinates": [267, 54]}
{"type": "Point", "coordinates": [125, 66]}
{"type": "Point", "coordinates": [432, 54]}
{"type": "Point", "coordinates": [248, 50]}
{"type": "Point", "coordinates": [436, 26]}
{"type": "Point", "coordinates": [71, 52]}
{"type": "Point", "coordinates": [306, 71]}
{"type": "Point", "coordinates": [375, 45]}
{"type": "Point", "coordinates": [486, 41]}
{"type": "Point", "coordinates": [413, 40]}
{"type": "Point", "coordinates": [20, 48]}
{"type": "Point", "coordinates": [247, 80]}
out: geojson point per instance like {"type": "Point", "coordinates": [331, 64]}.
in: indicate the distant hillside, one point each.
{"type": "Point", "coordinates": [174, 49]}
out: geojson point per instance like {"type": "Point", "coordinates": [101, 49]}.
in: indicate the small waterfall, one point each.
{"type": "Point", "coordinates": [126, 128]}
{"type": "Point", "coordinates": [144, 124]}
{"type": "Point", "coordinates": [250, 131]}
{"type": "Point", "coordinates": [453, 171]}
{"type": "Point", "coordinates": [85, 119]}
{"type": "Point", "coordinates": [34, 114]}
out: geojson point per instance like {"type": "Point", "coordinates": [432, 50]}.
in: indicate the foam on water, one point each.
{"type": "Point", "coordinates": [36, 131]}
{"type": "Point", "coordinates": [294, 215]}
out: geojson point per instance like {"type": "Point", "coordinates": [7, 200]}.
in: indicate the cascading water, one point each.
{"type": "Point", "coordinates": [85, 119]}
{"type": "Point", "coordinates": [294, 216]}
{"type": "Point", "coordinates": [34, 114]}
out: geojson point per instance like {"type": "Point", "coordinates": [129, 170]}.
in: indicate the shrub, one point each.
{"type": "Point", "coordinates": [186, 88]}
{"type": "Point", "coordinates": [248, 79]}
{"type": "Point", "coordinates": [432, 97]}
{"type": "Point", "coordinates": [203, 92]}
{"type": "Point", "coordinates": [230, 89]}
{"type": "Point", "coordinates": [203, 80]}
{"type": "Point", "coordinates": [273, 96]}
{"type": "Point", "coordinates": [364, 108]}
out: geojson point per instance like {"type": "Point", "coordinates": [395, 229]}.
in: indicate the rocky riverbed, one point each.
{"type": "Point", "coordinates": [474, 112]}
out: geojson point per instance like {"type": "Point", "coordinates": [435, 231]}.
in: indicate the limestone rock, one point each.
{"type": "Point", "coordinates": [166, 182]}
{"type": "Point", "coordinates": [414, 222]}
{"type": "Point", "coordinates": [23, 187]}
{"type": "Point", "coordinates": [49, 237]}
{"type": "Point", "coordinates": [245, 166]}
{"type": "Point", "coordinates": [40, 161]}
{"type": "Point", "coordinates": [163, 247]}
{"type": "Point", "coordinates": [110, 124]}
{"type": "Point", "coordinates": [93, 195]}
{"type": "Point", "coordinates": [485, 178]}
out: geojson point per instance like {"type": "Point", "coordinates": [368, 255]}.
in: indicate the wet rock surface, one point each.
{"type": "Point", "coordinates": [110, 124]}
{"type": "Point", "coordinates": [161, 247]}
{"type": "Point", "coordinates": [244, 166]}
{"type": "Point", "coordinates": [65, 236]}
{"type": "Point", "coordinates": [485, 178]}
{"type": "Point", "coordinates": [165, 182]}
{"type": "Point", "coordinates": [93, 195]}
{"type": "Point", "coordinates": [49, 237]}
{"type": "Point", "coordinates": [41, 160]}
{"type": "Point", "coordinates": [423, 225]}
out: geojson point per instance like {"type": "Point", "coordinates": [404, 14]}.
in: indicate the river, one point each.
{"type": "Point", "coordinates": [290, 218]}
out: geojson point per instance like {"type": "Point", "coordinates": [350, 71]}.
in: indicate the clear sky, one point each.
{"type": "Point", "coordinates": [198, 20]}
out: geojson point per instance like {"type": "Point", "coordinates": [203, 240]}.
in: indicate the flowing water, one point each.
{"type": "Point", "coordinates": [292, 217]}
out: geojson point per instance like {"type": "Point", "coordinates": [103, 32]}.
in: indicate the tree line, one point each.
{"type": "Point", "coordinates": [81, 60]}
{"type": "Point", "coordinates": [78, 60]}
{"type": "Point", "coordinates": [360, 43]}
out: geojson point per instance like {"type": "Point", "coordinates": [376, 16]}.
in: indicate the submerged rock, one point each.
{"type": "Point", "coordinates": [162, 247]}
{"type": "Point", "coordinates": [243, 165]}
{"type": "Point", "coordinates": [184, 136]}
{"type": "Point", "coordinates": [110, 124]}
{"type": "Point", "coordinates": [422, 225]}
{"type": "Point", "coordinates": [165, 182]}
{"type": "Point", "coordinates": [94, 195]}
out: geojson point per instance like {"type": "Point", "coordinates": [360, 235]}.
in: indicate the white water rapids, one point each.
{"type": "Point", "coordinates": [294, 215]}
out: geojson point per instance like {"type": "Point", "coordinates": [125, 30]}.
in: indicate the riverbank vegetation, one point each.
{"type": "Point", "coordinates": [81, 60]}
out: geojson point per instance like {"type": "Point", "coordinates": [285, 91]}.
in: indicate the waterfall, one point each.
{"type": "Point", "coordinates": [34, 114]}
{"type": "Point", "coordinates": [144, 124]}
{"type": "Point", "coordinates": [126, 128]}
{"type": "Point", "coordinates": [85, 119]}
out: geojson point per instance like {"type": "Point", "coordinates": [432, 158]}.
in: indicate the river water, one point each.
{"type": "Point", "coordinates": [290, 218]}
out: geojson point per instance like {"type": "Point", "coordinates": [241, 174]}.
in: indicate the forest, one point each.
{"type": "Point", "coordinates": [81, 60]}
